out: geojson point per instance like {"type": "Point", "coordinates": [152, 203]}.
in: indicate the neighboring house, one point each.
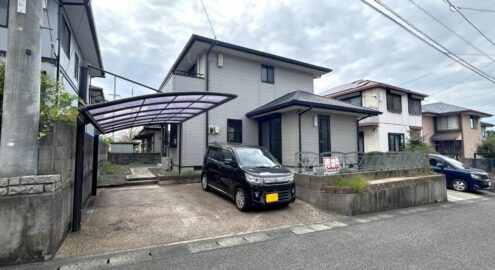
{"type": "Point", "coordinates": [96, 94]}
{"type": "Point", "coordinates": [484, 128]}
{"type": "Point", "coordinates": [121, 147]}
{"type": "Point", "coordinates": [68, 37]}
{"type": "Point", "coordinates": [150, 139]}
{"type": "Point", "coordinates": [452, 130]}
{"type": "Point", "coordinates": [400, 118]}
{"type": "Point", "coordinates": [272, 91]}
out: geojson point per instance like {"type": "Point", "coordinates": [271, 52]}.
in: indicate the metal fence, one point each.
{"type": "Point", "coordinates": [339, 162]}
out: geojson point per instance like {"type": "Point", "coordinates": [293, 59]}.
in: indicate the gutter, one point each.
{"type": "Point", "coordinates": [207, 89]}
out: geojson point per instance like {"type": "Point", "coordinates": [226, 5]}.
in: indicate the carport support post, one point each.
{"type": "Point", "coordinates": [96, 144]}
{"type": "Point", "coordinates": [79, 169]}
{"type": "Point", "coordinates": [162, 130]}
{"type": "Point", "coordinates": [180, 146]}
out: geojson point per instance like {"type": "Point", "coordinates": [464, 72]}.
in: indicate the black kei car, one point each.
{"type": "Point", "coordinates": [249, 175]}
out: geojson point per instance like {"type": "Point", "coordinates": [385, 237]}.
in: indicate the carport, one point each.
{"type": "Point", "coordinates": [154, 109]}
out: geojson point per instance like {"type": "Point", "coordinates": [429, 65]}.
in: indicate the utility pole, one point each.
{"type": "Point", "coordinates": [21, 101]}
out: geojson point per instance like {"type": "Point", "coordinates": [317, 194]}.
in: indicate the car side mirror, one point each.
{"type": "Point", "coordinates": [229, 162]}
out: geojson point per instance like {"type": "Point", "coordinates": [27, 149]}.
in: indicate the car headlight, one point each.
{"type": "Point", "coordinates": [476, 176]}
{"type": "Point", "coordinates": [290, 178]}
{"type": "Point", "coordinates": [253, 179]}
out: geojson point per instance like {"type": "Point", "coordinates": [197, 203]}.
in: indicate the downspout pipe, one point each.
{"type": "Point", "coordinates": [299, 126]}
{"type": "Point", "coordinates": [207, 89]}
{"type": "Point", "coordinates": [58, 38]}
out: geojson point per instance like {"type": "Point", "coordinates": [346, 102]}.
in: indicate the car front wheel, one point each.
{"type": "Point", "coordinates": [459, 185]}
{"type": "Point", "coordinates": [241, 200]}
{"type": "Point", "coordinates": [204, 183]}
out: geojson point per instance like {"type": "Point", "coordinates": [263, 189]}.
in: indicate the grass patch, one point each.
{"type": "Point", "coordinates": [357, 182]}
{"type": "Point", "coordinates": [108, 168]}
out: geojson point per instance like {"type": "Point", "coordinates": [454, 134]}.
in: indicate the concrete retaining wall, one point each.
{"type": "Point", "coordinates": [143, 158]}
{"type": "Point", "coordinates": [36, 211]}
{"type": "Point", "coordinates": [382, 195]}
{"type": "Point", "coordinates": [178, 179]}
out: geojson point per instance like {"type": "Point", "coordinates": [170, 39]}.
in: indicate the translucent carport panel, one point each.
{"type": "Point", "coordinates": [160, 108]}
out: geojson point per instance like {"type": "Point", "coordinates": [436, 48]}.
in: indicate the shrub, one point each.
{"type": "Point", "coordinates": [108, 168]}
{"type": "Point", "coordinates": [357, 182]}
{"type": "Point", "coordinates": [416, 144]}
{"type": "Point", "coordinates": [487, 147]}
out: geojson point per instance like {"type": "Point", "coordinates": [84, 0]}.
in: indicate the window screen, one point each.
{"type": "Point", "coordinates": [4, 13]}
{"type": "Point", "coordinates": [234, 131]}
{"type": "Point", "coordinates": [444, 123]}
{"type": "Point", "coordinates": [394, 103]}
{"type": "Point", "coordinates": [267, 74]}
{"type": "Point", "coordinates": [414, 106]}
{"type": "Point", "coordinates": [65, 38]}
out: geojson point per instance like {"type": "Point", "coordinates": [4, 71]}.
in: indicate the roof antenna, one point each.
{"type": "Point", "coordinates": [208, 17]}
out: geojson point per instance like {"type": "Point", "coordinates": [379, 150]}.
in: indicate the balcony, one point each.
{"type": "Point", "coordinates": [183, 81]}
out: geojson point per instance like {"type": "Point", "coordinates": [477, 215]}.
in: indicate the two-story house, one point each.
{"type": "Point", "coordinates": [452, 130]}
{"type": "Point", "coordinates": [275, 105]}
{"type": "Point", "coordinates": [68, 37]}
{"type": "Point", "coordinates": [400, 118]}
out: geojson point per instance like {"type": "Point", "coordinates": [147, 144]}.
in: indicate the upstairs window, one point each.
{"type": "Point", "coordinates": [76, 66]}
{"type": "Point", "coordinates": [394, 103]}
{"type": "Point", "coordinates": [474, 121]}
{"type": "Point", "coordinates": [267, 74]}
{"type": "Point", "coordinates": [4, 13]}
{"type": "Point", "coordinates": [65, 38]}
{"type": "Point", "coordinates": [234, 131]}
{"type": "Point", "coordinates": [356, 100]}
{"type": "Point", "coordinates": [414, 106]}
{"type": "Point", "coordinates": [447, 123]}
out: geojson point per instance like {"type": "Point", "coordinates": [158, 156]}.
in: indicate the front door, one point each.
{"type": "Point", "coordinates": [270, 132]}
{"type": "Point", "coordinates": [361, 142]}
{"type": "Point", "coordinates": [324, 133]}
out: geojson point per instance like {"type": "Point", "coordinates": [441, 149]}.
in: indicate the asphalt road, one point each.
{"type": "Point", "coordinates": [457, 237]}
{"type": "Point", "coordinates": [454, 235]}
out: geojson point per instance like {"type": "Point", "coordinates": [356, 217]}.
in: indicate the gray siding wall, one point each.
{"type": "Point", "coordinates": [290, 137]}
{"type": "Point", "coordinates": [241, 77]}
{"type": "Point", "coordinates": [343, 132]}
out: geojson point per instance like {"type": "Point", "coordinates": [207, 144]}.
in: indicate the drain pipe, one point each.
{"type": "Point", "coordinates": [299, 124]}
{"type": "Point", "coordinates": [207, 88]}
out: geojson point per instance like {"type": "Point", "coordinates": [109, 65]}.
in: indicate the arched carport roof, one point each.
{"type": "Point", "coordinates": [161, 108]}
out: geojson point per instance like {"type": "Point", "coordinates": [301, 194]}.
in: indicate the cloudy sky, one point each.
{"type": "Point", "coordinates": [141, 39]}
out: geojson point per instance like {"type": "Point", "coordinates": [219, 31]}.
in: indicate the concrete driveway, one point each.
{"type": "Point", "coordinates": [133, 217]}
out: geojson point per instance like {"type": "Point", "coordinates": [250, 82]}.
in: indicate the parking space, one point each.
{"type": "Point", "coordinates": [127, 218]}
{"type": "Point", "coordinates": [469, 197]}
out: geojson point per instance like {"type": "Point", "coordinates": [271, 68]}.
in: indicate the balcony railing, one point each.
{"type": "Point", "coordinates": [188, 74]}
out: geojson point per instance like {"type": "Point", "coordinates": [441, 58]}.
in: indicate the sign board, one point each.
{"type": "Point", "coordinates": [331, 164]}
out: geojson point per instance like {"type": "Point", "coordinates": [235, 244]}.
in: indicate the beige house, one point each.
{"type": "Point", "coordinates": [452, 130]}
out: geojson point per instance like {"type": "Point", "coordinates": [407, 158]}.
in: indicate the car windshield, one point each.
{"type": "Point", "coordinates": [455, 163]}
{"type": "Point", "coordinates": [255, 158]}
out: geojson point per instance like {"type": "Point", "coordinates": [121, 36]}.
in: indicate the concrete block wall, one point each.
{"type": "Point", "coordinates": [32, 184]}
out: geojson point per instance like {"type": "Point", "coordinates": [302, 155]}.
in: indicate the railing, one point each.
{"type": "Point", "coordinates": [187, 74]}
{"type": "Point", "coordinates": [338, 162]}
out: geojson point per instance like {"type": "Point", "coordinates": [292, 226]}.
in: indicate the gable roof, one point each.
{"type": "Point", "coordinates": [361, 85]}
{"type": "Point", "coordinates": [201, 43]}
{"type": "Point", "coordinates": [305, 99]}
{"type": "Point", "coordinates": [444, 108]}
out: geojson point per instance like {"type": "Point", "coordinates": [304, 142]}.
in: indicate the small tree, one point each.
{"type": "Point", "coordinates": [487, 148]}
{"type": "Point", "coordinates": [416, 144]}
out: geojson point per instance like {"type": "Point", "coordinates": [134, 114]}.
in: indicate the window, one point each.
{"type": "Point", "coordinates": [267, 74]}
{"type": "Point", "coordinates": [396, 142]}
{"type": "Point", "coordinates": [227, 154]}
{"type": "Point", "coordinates": [414, 106]}
{"type": "Point", "coordinates": [65, 38]}
{"type": "Point", "coordinates": [4, 13]}
{"type": "Point", "coordinates": [234, 131]}
{"type": "Point", "coordinates": [357, 100]}
{"type": "Point", "coordinates": [474, 121]}
{"type": "Point", "coordinates": [173, 135]}
{"type": "Point", "coordinates": [446, 123]}
{"type": "Point", "coordinates": [394, 103]}
{"type": "Point", "coordinates": [214, 153]}
{"type": "Point", "coordinates": [76, 66]}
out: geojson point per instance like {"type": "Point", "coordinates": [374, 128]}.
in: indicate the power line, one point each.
{"type": "Point", "coordinates": [476, 9]}
{"type": "Point", "coordinates": [472, 24]}
{"type": "Point", "coordinates": [427, 39]}
{"type": "Point", "coordinates": [449, 29]}
{"type": "Point", "coordinates": [428, 73]}
{"type": "Point", "coordinates": [208, 17]}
